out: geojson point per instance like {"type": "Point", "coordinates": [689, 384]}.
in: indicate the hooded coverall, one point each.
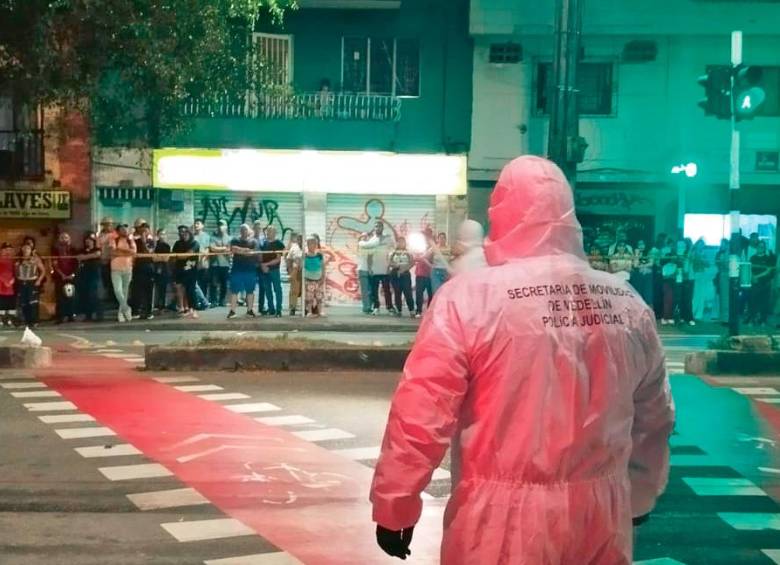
{"type": "Point", "coordinates": [550, 380]}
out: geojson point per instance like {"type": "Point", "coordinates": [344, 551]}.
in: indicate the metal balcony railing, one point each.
{"type": "Point", "coordinates": [300, 106]}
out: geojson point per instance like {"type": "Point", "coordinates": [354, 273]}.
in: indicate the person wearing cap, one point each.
{"type": "Point", "coordinates": [549, 380]}
{"type": "Point", "coordinates": [142, 289]}
{"type": "Point", "coordinates": [185, 271]}
{"type": "Point", "coordinates": [123, 251]}
{"type": "Point", "coordinates": [243, 271]}
{"type": "Point", "coordinates": [104, 237]}
{"type": "Point", "coordinates": [220, 264]}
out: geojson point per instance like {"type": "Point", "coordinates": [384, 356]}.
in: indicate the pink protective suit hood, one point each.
{"type": "Point", "coordinates": [532, 213]}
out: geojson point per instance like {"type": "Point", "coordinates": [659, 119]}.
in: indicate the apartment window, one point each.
{"type": "Point", "coordinates": [381, 65]}
{"type": "Point", "coordinates": [505, 53]}
{"type": "Point", "coordinates": [595, 83]}
{"type": "Point", "coordinates": [21, 140]}
{"type": "Point", "coordinates": [277, 57]}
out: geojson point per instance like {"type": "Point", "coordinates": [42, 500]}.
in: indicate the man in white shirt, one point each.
{"type": "Point", "coordinates": [379, 246]}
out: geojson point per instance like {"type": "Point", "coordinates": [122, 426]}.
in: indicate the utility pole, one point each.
{"type": "Point", "coordinates": [565, 146]}
{"type": "Point", "coordinates": [735, 246]}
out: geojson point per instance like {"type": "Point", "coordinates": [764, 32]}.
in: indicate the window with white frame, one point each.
{"type": "Point", "coordinates": [381, 65]}
{"type": "Point", "coordinates": [276, 54]}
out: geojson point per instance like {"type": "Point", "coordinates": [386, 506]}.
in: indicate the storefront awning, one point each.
{"type": "Point", "coordinates": [339, 172]}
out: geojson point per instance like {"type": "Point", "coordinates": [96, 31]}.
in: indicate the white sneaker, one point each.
{"type": "Point", "coordinates": [691, 323]}
{"type": "Point", "coordinates": [375, 312]}
{"type": "Point", "coordinates": [120, 317]}
{"type": "Point", "coordinates": [128, 316]}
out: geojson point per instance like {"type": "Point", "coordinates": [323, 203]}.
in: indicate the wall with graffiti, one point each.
{"type": "Point", "coordinates": [282, 211]}
{"type": "Point", "coordinates": [348, 216]}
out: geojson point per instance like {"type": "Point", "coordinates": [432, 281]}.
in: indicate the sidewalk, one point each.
{"type": "Point", "coordinates": [338, 319]}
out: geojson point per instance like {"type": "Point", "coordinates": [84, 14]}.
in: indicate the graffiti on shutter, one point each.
{"type": "Point", "coordinates": [280, 211]}
{"type": "Point", "coordinates": [349, 216]}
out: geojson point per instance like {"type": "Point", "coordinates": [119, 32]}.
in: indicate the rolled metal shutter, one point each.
{"type": "Point", "coordinates": [349, 215]}
{"type": "Point", "coordinates": [283, 210]}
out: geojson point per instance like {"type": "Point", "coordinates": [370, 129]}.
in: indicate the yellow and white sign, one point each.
{"type": "Point", "coordinates": [44, 204]}
{"type": "Point", "coordinates": [333, 172]}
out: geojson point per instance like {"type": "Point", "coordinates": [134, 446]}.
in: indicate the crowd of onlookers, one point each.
{"type": "Point", "coordinates": [142, 273]}
{"type": "Point", "coordinates": [686, 282]}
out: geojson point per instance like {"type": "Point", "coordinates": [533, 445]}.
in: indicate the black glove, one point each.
{"type": "Point", "coordinates": [639, 520]}
{"type": "Point", "coordinates": [395, 543]}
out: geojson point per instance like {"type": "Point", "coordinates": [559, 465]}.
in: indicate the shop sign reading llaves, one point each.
{"type": "Point", "coordinates": [32, 204]}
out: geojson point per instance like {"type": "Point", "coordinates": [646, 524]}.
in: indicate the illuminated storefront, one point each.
{"type": "Point", "coordinates": [336, 194]}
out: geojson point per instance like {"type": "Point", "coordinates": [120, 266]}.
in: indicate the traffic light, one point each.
{"type": "Point", "coordinates": [748, 94]}
{"type": "Point", "coordinates": [717, 90]}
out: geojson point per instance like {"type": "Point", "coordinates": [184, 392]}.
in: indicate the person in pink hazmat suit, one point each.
{"type": "Point", "coordinates": [549, 379]}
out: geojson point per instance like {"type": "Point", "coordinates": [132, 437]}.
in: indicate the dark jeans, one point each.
{"type": "Point", "coordinates": [759, 306]}
{"type": "Point", "coordinates": [219, 285]}
{"type": "Point", "coordinates": [272, 281]}
{"type": "Point", "coordinates": [189, 280]}
{"type": "Point", "coordinates": [161, 281]}
{"type": "Point", "coordinates": [28, 302]}
{"type": "Point", "coordinates": [88, 292]}
{"type": "Point", "coordinates": [204, 282]}
{"type": "Point", "coordinates": [143, 290]}
{"type": "Point", "coordinates": [686, 301]}
{"type": "Point", "coordinates": [108, 285]}
{"type": "Point", "coordinates": [260, 303]}
{"type": "Point", "coordinates": [376, 280]}
{"type": "Point", "coordinates": [402, 285]}
{"type": "Point", "coordinates": [422, 285]}
{"type": "Point", "coordinates": [66, 305]}
{"type": "Point", "coordinates": [643, 283]}
{"type": "Point", "coordinates": [658, 293]}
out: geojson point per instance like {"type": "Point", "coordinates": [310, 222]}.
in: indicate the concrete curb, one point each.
{"type": "Point", "coordinates": [205, 358]}
{"type": "Point", "coordinates": [720, 362]}
{"type": "Point", "coordinates": [23, 357]}
{"type": "Point", "coordinates": [258, 325]}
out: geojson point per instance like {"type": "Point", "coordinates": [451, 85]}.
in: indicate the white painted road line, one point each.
{"type": "Point", "coordinates": [117, 450]}
{"type": "Point", "coordinates": [173, 498]}
{"type": "Point", "coordinates": [78, 433]}
{"type": "Point", "coordinates": [252, 407]}
{"type": "Point", "coordinates": [751, 521]}
{"type": "Point", "coordinates": [140, 471]}
{"type": "Point", "coordinates": [108, 351]}
{"type": "Point", "coordinates": [696, 461]}
{"type": "Point", "coordinates": [731, 381]}
{"type": "Point", "coordinates": [36, 394]}
{"type": "Point", "coordinates": [773, 554]}
{"type": "Point", "coordinates": [292, 420]}
{"type": "Point", "coordinates": [659, 561]}
{"type": "Point", "coordinates": [224, 396]}
{"type": "Point", "coordinates": [13, 376]}
{"type": "Point", "coordinates": [115, 355]}
{"type": "Point", "coordinates": [723, 487]}
{"type": "Point", "coordinates": [775, 400]}
{"type": "Point", "coordinates": [49, 406]}
{"type": "Point", "coordinates": [323, 435]}
{"type": "Point", "coordinates": [756, 390]}
{"type": "Point", "coordinates": [22, 385]}
{"type": "Point", "coordinates": [171, 380]}
{"type": "Point", "coordinates": [439, 474]}
{"type": "Point", "coordinates": [276, 558]}
{"type": "Point", "coordinates": [198, 388]}
{"type": "Point", "coordinates": [66, 418]}
{"type": "Point", "coordinates": [207, 529]}
{"type": "Point", "coordinates": [359, 453]}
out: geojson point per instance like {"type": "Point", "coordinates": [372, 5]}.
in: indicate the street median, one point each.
{"type": "Point", "coordinates": [274, 354]}
{"type": "Point", "coordinates": [739, 355]}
